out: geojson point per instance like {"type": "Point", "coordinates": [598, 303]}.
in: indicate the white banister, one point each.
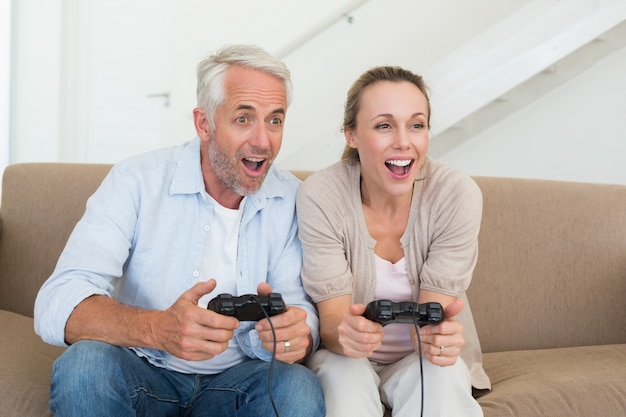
{"type": "Point", "coordinates": [511, 52]}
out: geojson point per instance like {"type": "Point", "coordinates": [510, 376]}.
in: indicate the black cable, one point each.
{"type": "Point", "coordinates": [419, 344]}
{"type": "Point", "coordinates": [271, 370]}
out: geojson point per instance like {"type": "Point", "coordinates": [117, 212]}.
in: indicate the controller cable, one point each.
{"type": "Point", "coordinates": [269, 378]}
{"type": "Point", "coordinates": [419, 344]}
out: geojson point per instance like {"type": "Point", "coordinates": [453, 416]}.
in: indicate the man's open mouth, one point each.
{"type": "Point", "coordinates": [254, 165]}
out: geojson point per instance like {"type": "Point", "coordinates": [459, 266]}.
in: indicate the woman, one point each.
{"type": "Point", "coordinates": [387, 222]}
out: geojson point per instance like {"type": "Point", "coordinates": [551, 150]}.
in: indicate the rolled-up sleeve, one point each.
{"type": "Point", "coordinates": [91, 261]}
{"type": "Point", "coordinates": [453, 227]}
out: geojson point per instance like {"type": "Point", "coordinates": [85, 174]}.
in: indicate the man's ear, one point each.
{"type": "Point", "coordinates": [350, 140]}
{"type": "Point", "coordinates": [201, 123]}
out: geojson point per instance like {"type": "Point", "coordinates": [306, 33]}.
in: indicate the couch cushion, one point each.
{"type": "Point", "coordinates": [25, 367]}
{"type": "Point", "coordinates": [579, 381]}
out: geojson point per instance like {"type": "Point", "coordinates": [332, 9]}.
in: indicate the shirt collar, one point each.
{"type": "Point", "coordinates": [188, 178]}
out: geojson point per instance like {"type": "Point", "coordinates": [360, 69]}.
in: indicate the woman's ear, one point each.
{"type": "Point", "coordinates": [350, 140]}
{"type": "Point", "coordinates": [202, 125]}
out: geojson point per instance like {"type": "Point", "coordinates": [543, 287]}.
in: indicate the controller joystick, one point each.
{"type": "Point", "coordinates": [249, 307]}
{"type": "Point", "coordinates": [387, 311]}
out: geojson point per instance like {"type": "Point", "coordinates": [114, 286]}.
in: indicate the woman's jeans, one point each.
{"type": "Point", "coordinates": [98, 379]}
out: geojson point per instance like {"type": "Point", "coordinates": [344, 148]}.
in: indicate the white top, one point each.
{"type": "Point", "coordinates": [392, 283]}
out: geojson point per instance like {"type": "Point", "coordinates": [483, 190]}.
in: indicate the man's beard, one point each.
{"type": "Point", "coordinates": [228, 171]}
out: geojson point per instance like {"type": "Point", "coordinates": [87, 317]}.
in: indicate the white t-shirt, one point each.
{"type": "Point", "coordinates": [220, 263]}
{"type": "Point", "coordinates": [220, 257]}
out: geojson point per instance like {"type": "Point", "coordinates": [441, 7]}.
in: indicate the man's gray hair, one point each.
{"type": "Point", "coordinates": [211, 73]}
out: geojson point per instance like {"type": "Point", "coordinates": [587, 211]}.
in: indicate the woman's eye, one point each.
{"type": "Point", "coordinates": [383, 126]}
{"type": "Point", "coordinates": [417, 126]}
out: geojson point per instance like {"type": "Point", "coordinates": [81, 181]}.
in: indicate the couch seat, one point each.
{"type": "Point", "coordinates": [540, 383]}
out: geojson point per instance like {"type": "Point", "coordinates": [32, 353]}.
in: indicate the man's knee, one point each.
{"type": "Point", "coordinates": [86, 365]}
{"type": "Point", "coordinates": [295, 385]}
{"type": "Point", "coordinates": [299, 378]}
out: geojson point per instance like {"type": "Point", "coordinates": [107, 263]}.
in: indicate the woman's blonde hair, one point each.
{"type": "Point", "coordinates": [374, 75]}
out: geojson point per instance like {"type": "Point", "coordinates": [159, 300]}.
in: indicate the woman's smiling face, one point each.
{"type": "Point", "coordinates": [391, 136]}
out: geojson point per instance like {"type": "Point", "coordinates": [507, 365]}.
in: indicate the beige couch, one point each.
{"type": "Point", "coordinates": [548, 294]}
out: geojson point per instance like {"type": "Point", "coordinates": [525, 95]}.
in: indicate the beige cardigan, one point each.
{"type": "Point", "coordinates": [440, 243]}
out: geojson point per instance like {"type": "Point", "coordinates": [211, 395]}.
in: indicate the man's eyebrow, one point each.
{"type": "Point", "coordinates": [250, 107]}
{"type": "Point", "coordinates": [245, 107]}
{"type": "Point", "coordinates": [279, 110]}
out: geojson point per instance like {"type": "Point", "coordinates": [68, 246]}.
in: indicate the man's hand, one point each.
{"type": "Point", "coordinates": [293, 335]}
{"type": "Point", "coordinates": [190, 332]}
{"type": "Point", "coordinates": [442, 343]}
{"type": "Point", "coordinates": [184, 330]}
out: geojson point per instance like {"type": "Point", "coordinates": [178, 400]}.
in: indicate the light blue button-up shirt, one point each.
{"type": "Point", "coordinates": [142, 239]}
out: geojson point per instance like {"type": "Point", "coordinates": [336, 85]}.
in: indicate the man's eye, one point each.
{"type": "Point", "coordinates": [242, 119]}
{"type": "Point", "coordinates": [276, 121]}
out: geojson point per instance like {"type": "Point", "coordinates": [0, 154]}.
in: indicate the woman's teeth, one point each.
{"type": "Point", "coordinates": [399, 162]}
{"type": "Point", "coordinates": [399, 166]}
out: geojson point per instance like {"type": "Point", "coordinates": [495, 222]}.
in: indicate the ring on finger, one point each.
{"type": "Point", "coordinates": [287, 346]}
{"type": "Point", "coordinates": [441, 349]}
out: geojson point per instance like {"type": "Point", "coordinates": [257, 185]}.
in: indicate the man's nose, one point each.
{"type": "Point", "coordinates": [260, 136]}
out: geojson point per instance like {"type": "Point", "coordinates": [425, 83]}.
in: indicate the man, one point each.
{"type": "Point", "coordinates": [166, 232]}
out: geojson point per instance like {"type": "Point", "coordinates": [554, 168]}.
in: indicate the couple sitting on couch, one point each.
{"type": "Point", "coordinates": [130, 290]}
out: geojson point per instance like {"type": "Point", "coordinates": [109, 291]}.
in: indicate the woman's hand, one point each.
{"type": "Point", "coordinates": [442, 343]}
{"type": "Point", "coordinates": [358, 336]}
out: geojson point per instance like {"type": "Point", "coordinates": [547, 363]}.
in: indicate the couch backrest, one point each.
{"type": "Point", "coordinates": [41, 203]}
{"type": "Point", "coordinates": [551, 267]}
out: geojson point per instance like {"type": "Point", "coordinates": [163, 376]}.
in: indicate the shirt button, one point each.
{"type": "Point", "coordinates": [207, 228]}
{"type": "Point", "coordinates": [196, 274]}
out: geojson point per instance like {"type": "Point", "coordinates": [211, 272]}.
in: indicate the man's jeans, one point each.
{"type": "Point", "coordinates": [98, 379]}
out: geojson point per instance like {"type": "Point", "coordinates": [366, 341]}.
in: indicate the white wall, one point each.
{"type": "Point", "coordinates": [37, 54]}
{"type": "Point", "coordinates": [576, 132]}
{"type": "Point", "coordinates": [539, 141]}
{"type": "Point", "coordinates": [413, 34]}
{"type": "Point", "coordinates": [200, 28]}
{"type": "Point", "coordinates": [5, 81]}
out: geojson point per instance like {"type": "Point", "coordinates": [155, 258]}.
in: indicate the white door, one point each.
{"type": "Point", "coordinates": [119, 71]}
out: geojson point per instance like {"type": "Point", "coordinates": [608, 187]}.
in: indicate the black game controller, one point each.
{"type": "Point", "coordinates": [387, 311]}
{"type": "Point", "coordinates": [249, 307]}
